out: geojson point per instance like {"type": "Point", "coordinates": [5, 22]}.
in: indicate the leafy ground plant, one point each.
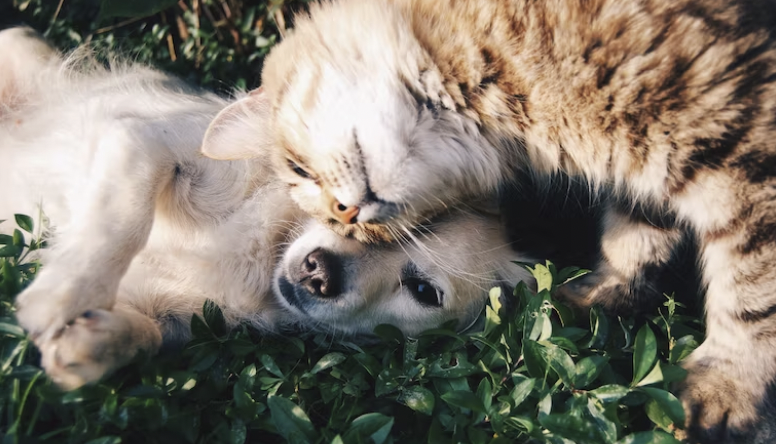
{"type": "Point", "coordinates": [534, 374]}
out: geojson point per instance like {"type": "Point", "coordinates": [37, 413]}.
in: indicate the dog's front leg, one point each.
{"type": "Point", "coordinates": [112, 209]}
{"type": "Point", "coordinates": [97, 343]}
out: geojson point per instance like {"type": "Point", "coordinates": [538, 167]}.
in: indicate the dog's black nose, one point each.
{"type": "Point", "coordinates": [321, 274]}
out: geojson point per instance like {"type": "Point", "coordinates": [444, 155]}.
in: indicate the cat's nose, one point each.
{"type": "Point", "coordinates": [345, 214]}
{"type": "Point", "coordinates": [321, 274]}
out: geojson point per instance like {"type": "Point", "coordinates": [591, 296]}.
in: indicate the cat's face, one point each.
{"type": "Point", "coordinates": [366, 137]}
{"type": "Point", "coordinates": [342, 286]}
{"type": "Point", "coordinates": [364, 158]}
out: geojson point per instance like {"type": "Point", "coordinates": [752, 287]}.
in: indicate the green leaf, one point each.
{"type": "Point", "coordinates": [105, 440]}
{"type": "Point", "coordinates": [535, 356]}
{"type": "Point", "coordinates": [573, 426]}
{"type": "Point", "coordinates": [651, 437]}
{"type": "Point", "coordinates": [485, 394]}
{"type": "Point", "coordinates": [477, 435]}
{"type": "Point", "coordinates": [464, 400]}
{"type": "Point", "coordinates": [452, 367]}
{"type": "Point", "coordinates": [369, 363]}
{"type": "Point", "coordinates": [604, 425]}
{"type": "Point", "coordinates": [565, 314]}
{"type": "Point", "coordinates": [672, 373]}
{"type": "Point", "coordinates": [587, 369]}
{"type": "Point", "coordinates": [24, 222]}
{"type": "Point", "coordinates": [568, 274]}
{"type": "Point", "coordinates": [214, 317]}
{"type": "Point", "coordinates": [389, 334]}
{"type": "Point", "coordinates": [12, 330]}
{"type": "Point", "coordinates": [521, 391]}
{"type": "Point", "coordinates": [656, 414]}
{"type": "Point", "coordinates": [387, 381]}
{"type": "Point", "coordinates": [9, 251]}
{"type": "Point", "coordinates": [654, 376]}
{"type": "Point", "coordinates": [239, 431]}
{"type": "Point", "coordinates": [6, 239]}
{"type": "Point", "coordinates": [492, 318]}
{"type": "Point", "coordinates": [682, 348]}
{"type": "Point", "coordinates": [562, 363]}
{"type": "Point", "coordinates": [10, 277]}
{"type": "Point", "coordinates": [327, 361]}
{"type": "Point", "coordinates": [611, 392]}
{"type": "Point", "coordinates": [199, 328]}
{"type": "Point", "coordinates": [541, 328]}
{"type": "Point", "coordinates": [599, 326]}
{"type": "Point", "coordinates": [668, 403]}
{"type": "Point", "coordinates": [371, 425]}
{"type": "Point", "coordinates": [290, 420]}
{"type": "Point", "coordinates": [571, 333]}
{"type": "Point", "coordinates": [271, 366]}
{"type": "Point", "coordinates": [419, 399]}
{"type": "Point", "coordinates": [248, 376]}
{"type": "Point", "coordinates": [644, 353]}
{"type": "Point", "coordinates": [545, 405]}
{"type": "Point", "coordinates": [543, 276]}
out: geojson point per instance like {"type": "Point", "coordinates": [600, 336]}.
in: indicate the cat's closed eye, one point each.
{"type": "Point", "coordinates": [299, 171]}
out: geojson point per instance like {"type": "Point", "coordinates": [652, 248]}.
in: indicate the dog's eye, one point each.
{"type": "Point", "coordinates": [424, 292]}
{"type": "Point", "coordinates": [298, 170]}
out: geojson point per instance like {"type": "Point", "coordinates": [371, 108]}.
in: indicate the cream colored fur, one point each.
{"type": "Point", "coordinates": [143, 228]}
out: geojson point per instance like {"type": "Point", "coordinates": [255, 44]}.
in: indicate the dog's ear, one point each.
{"type": "Point", "coordinates": [241, 130]}
{"type": "Point", "coordinates": [24, 55]}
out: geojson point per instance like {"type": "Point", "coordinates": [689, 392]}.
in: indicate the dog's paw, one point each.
{"type": "Point", "coordinates": [95, 344]}
{"type": "Point", "coordinates": [719, 408]}
{"type": "Point", "coordinates": [53, 301]}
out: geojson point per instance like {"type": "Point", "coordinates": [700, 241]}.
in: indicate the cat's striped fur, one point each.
{"type": "Point", "coordinates": [387, 111]}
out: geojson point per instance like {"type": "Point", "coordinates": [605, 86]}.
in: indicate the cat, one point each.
{"type": "Point", "coordinates": [385, 112]}
{"type": "Point", "coordinates": [143, 229]}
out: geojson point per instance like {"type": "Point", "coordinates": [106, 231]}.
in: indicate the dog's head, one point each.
{"type": "Point", "coordinates": [340, 286]}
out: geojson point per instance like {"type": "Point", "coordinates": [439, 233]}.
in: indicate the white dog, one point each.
{"type": "Point", "coordinates": [143, 228]}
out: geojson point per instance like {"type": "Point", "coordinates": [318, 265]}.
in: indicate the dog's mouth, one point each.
{"type": "Point", "coordinates": [288, 291]}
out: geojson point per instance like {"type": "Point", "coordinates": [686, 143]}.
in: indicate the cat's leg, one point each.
{"type": "Point", "coordinates": [725, 393]}
{"type": "Point", "coordinates": [97, 343]}
{"type": "Point", "coordinates": [634, 253]}
{"type": "Point", "coordinates": [112, 210]}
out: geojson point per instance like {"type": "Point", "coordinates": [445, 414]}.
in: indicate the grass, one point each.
{"type": "Point", "coordinates": [534, 374]}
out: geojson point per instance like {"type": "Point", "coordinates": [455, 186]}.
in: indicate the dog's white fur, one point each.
{"type": "Point", "coordinates": [144, 228]}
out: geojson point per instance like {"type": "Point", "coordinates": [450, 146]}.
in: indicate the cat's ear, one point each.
{"type": "Point", "coordinates": [241, 130]}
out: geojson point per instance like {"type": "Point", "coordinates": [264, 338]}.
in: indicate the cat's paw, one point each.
{"type": "Point", "coordinates": [95, 344]}
{"type": "Point", "coordinates": [596, 288]}
{"type": "Point", "coordinates": [613, 291]}
{"type": "Point", "coordinates": [55, 300]}
{"type": "Point", "coordinates": [718, 407]}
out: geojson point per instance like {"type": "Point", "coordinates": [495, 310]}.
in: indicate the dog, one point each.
{"type": "Point", "coordinates": [143, 228]}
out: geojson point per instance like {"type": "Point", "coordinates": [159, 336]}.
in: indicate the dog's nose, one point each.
{"type": "Point", "coordinates": [321, 274]}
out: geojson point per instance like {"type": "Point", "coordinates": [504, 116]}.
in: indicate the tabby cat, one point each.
{"type": "Point", "coordinates": [386, 112]}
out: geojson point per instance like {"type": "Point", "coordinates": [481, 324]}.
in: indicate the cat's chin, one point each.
{"type": "Point", "coordinates": [363, 232]}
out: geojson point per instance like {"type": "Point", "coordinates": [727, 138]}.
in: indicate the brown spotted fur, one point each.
{"type": "Point", "coordinates": [669, 103]}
